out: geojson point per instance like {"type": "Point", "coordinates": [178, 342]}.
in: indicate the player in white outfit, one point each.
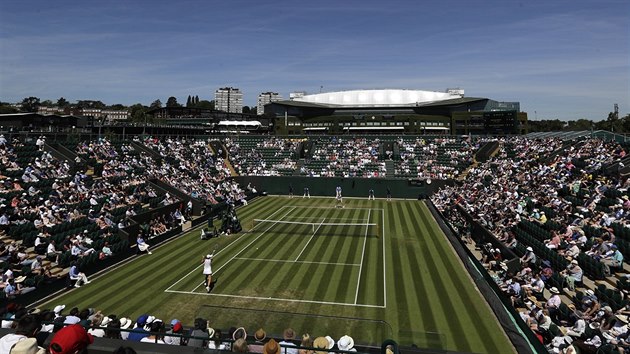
{"type": "Point", "coordinates": [207, 270]}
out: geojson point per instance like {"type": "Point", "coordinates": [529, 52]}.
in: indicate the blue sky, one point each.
{"type": "Point", "coordinates": [560, 59]}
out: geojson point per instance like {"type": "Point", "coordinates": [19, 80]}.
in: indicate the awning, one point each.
{"type": "Point", "coordinates": [436, 128]}
{"type": "Point", "coordinates": [374, 128]}
{"type": "Point", "coordinates": [251, 123]}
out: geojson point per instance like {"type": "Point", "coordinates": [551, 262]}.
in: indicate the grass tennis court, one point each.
{"type": "Point", "coordinates": [373, 269]}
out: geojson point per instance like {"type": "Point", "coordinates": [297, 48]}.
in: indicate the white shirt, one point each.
{"type": "Point", "coordinates": [207, 265]}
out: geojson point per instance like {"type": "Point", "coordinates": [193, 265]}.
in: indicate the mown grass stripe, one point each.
{"type": "Point", "coordinates": [469, 299]}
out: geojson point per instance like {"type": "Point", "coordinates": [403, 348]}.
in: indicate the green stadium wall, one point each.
{"type": "Point", "coordinates": [352, 187]}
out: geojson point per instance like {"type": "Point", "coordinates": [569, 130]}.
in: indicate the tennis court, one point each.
{"type": "Point", "coordinates": [331, 242]}
{"type": "Point", "coordinates": [373, 269]}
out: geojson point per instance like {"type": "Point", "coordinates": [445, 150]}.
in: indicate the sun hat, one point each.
{"type": "Point", "coordinates": [554, 290]}
{"type": "Point", "coordinates": [239, 333]}
{"type": "Point", "coordinates": [622, 318]}
{"type": "Point", "coordinates": [105, 321]}
{"type": "Point", "coordinates": [574, 261]}
{"type": "Point", "coordinates": [607, 308]}
{"type": "Point", "coordinates": [260, 335]}
{"type": "Point", "coordinates": [59, 308]}
{"type": "Point", "coordinates": [271, 347]}
{"type": "Point", "coordinates": [208, 256]}
{"type": "Point", "coordinates": [345, 343]}
{"type": "Point", "coordinates": [125, 323]}
{"type": "Point", "coordinates": [27, 346]}
{"type": "Point", "coordinates": [70, 339]}
{"type": "Point", "coordinates": [594, 325]}
{"type": "Point", "coordinates": [529, 248]}
{"type": "Point", "coordinates": [20, 279]}
{"type": "Point", "coordinates": [320, 343]}
{"type": "Point", "coordinates": [590, 292]}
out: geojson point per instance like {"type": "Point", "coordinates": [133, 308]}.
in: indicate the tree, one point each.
{"type": "Point", "coordinates": [612, 122]}
{"type": "Point", "coordinates": [196, 99]}
{"type": "Point", "coordinates": [172, 102]}
{"type": "Point", "coordinates": [90, 104]}
{"type": "Point", "coordinates": [188, 102]}
{"type": "Point", "coordinates": [30, 104]}
{"type": "Point", "coordinates": [61, 102]}
{"type": "Point", "coordinates": [246, 109]}
{"type": "Point", "coordinates": [6, 108]}
{"type": "Point", "coordinates": [203, 104]}
{"type": "Point", "coordinates": [138, 112]}
{"type": "Point", "coordinates": [47, 103]}
{"type": "Point", "coordinates": [580, 124]}
{"type": "Point", "coordinates": [118, 107]}
{"type": "Point", "coordinates": [156, 104]}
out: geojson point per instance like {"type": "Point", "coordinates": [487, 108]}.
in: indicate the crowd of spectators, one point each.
{"type": "Point", "coordinates": [440, 158]}
{"type": "Point", "coordinates": [75, 330]}
{"type": "Point", "coordinates": [68, 214]}
{"type": "Point", "coordinates": [193, 167]}
{"type": "Point", "coordinates": [271, 156]}
{"type": "Point", "coordinates": [345, 157]}
{"type": "Point", "coordinates": [563, 209]}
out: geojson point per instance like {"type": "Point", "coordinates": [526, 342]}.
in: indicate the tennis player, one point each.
{"type": "Point", "coordinates": [207, 269]}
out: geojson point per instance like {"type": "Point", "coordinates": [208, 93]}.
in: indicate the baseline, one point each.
{"type": "Point", "coordinates": [275, 299]}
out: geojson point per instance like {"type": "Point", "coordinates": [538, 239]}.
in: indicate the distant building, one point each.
{"type": "Point", "coordinates": [46, 111]}
{"type": "Point", "coordinates": [228, 99]}
{"type": "Point", "coordinates": [266, 98]}
{"type": "Point", "coordinates": [97, 113]}
{"type": "Point", "coordinates": [395, 111]}
{"type": "Point", "coordinates": [112, 115]}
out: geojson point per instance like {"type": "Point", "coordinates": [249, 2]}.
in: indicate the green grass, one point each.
{"type": "Point", "coordinates": [402, 280]}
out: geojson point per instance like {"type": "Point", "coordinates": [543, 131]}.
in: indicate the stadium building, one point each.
{"type": "Point", "coordinates": [396, 110]}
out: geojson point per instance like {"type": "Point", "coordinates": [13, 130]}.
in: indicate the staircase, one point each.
{"type": "Point", "coordinates": [298, 167]}
{"type": "Point", "coordinates": [389, 165]}
{"type": "Point", "coordinates": [228, 164]}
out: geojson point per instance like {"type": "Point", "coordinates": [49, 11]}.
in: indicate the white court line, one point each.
{"type": "Point", "coordinates": [356, 296]}
{"type": "Point", "coordinates": [200, 265]}
{"type": "Point", "coordinates": [344, 219]}
{"type": "Point", "coordinates": [384, 272]}
{"type": "Point", "coordinates": [275, 299]}
{"type": "Point", "coordinates": [309, 240]}
{"type": "Point", "coordinates": [244, 248]}
{"type": "Point", "coordinates": [332, 208]}
{"type": "Point", "coordinates": [254, 240]}
{"type": "Point", "coordinates": [289, 261]}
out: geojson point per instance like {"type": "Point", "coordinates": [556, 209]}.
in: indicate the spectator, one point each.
{"type": "Point", "coordinates": [346, 343]}
{"type": "Point", "coordinates": [199, 334]}
{"type": "Point", "coordinates": [176, 328]}
{"type": "Point", "coordinates": [288, 347]}
{"type": "Point", "coordinates": [259, 341]}
{"type": "Point", "coordinates": [271, 347]}
{"type": "Point", "coordinates": [70, 339]}
{"type": "Point", "coordinates": [156, 334]}
{"type": "Point", "coordinates": [142, 245]}
{"type": "Point", "coordinates": [307, 342]}
{"type": "Point", "coordinates": [77, 276]}
{"type": "Point", "coordinates": [27, 327]}
{"type": "Point", "coordinates": [240, 346]}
